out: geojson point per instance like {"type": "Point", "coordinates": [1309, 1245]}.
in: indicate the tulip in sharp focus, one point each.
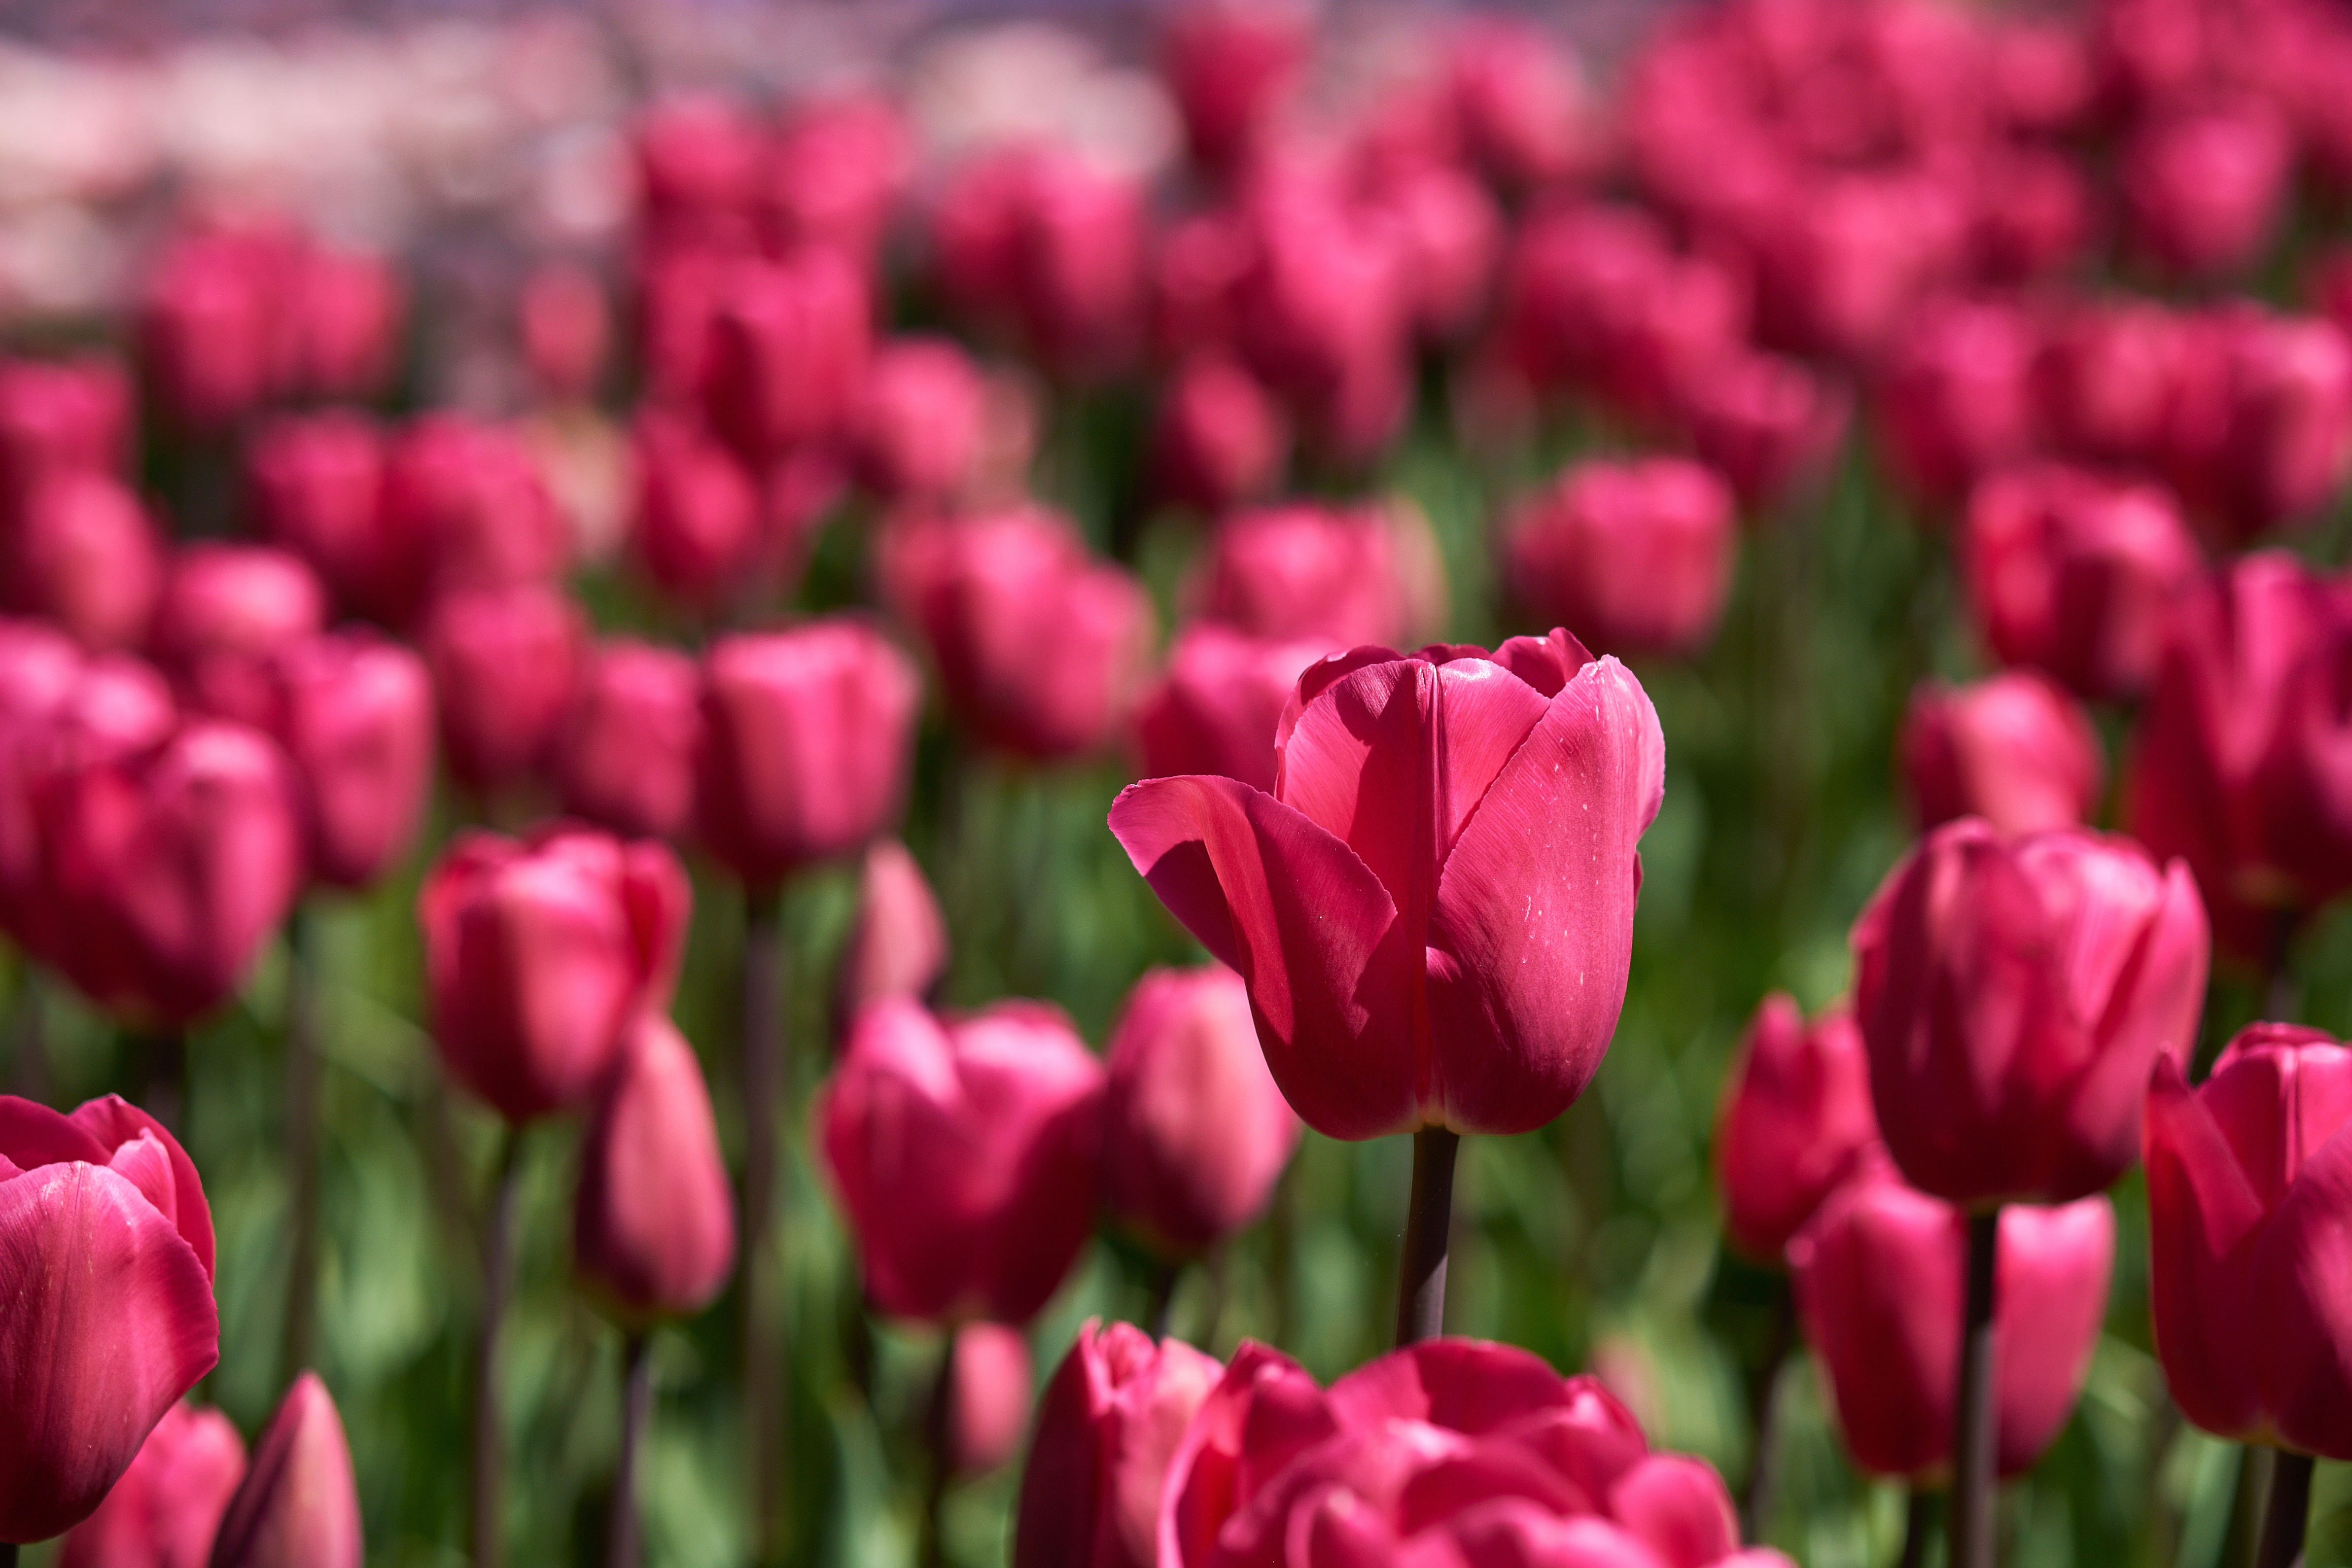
{"type": "Point", "coordinates": [966, 1156]}
{"type": "Point", "coordinates": [354, 712]}
{"type": "Point", "coordinates": [1434, 909]}
{"type": "Point", "coordinates": [226, 609]}
{"type": "Point", "coordinates": [653, 1226]}
{"type": "Point", "coordinates": [167, 1509]}
{"type": "Point", "coordinates": [83, 554]}
{"type": "Point", "coordinates": [2013, 994]}
{"type": "Point", "coordinates": [298, 1506]}
{"type": "Point", "coordinates": [1216, 709]}
{"type": "Point", "coordinates": [2013, 749]}
{"type": "Point", "coordinates": [1636, 558]}
{"type": "Point", "coordinates": [898, 945]}
{"type": "Point", "coordinates": [106, 1259]}
{"type": "Point", "coordinates": [1303, 571]}
{"type": "Point", "coordinates": [625, 759]}
{"type": "Point", "coordinates": [1794, 1121]}
{"type": "Point", "coordinates": [504, 662]}
{"type": "Point", "coordinates": [989, 1408]}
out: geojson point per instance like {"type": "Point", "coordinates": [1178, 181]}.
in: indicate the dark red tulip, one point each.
{"type": "Point", "coordinates": [473, 494]}
{"type": "Point", "coordinates": [1956, 401]}
{"type": "Point", "coordinates": [209, 318]}
{"type": "Point", "coordinates": [1305, 573]}
{"type": "Point", "coordinates": [2107, 378]}
{"type": "Point", "coordinates": [697, 521]}
{"type": "Point", "coordinates": [2014, 750]}
{"type": "Point", "coordinates": [1217, 708]}
{"type": "Point", "coordinates": [1106, 1427]}
{"type": "Point", "coordinates": [2261, 433]}
{"type": "Point", "coordinates": [1195, 1133]}
{"type": "Point", "coordinates": [965, 1154]}
{"type": "Point", "coordinates": [505, 662]}
{"type": "Point", "coordinates": [832, 173]}
{"type": "Point", "coordinates": [990, 1405]}
{"type": "Point", "coordinates": [106, 1259]}
{"type": "Point", "coordinates": [2246, 1194]}
{"type": "Point", "coordinates": [1220, 439]}
{"type": "Point", "coordinates": [920, 421]}
{"type": "Point", "coordinates": [567, 331]}
{"type": "Point", "coordinates": [59, 417]}
{"type": "Point", "coordinates": [1230, 66]}
{"type": "Point", "coordinates": [225, 610]}
{"type": "Point", "coordinates": [653, 1229]}
{"type": "Point", "coordinates": [1399, 972]}
{"type": "Point", "coordinates": [1522, 104]}
{"type": "Point", "coordinates": [354, 712]}
{"type": "Point", "coordinates": [1879, 1274]}
{"type": "Point", "coordinates": [1043, 244]}
{"type": "Point", "coordinates": [1793, 1123]}
{"type": "Point", "coordinates": [2013, 994]}
{"type": "Point", "coordinates": [2204, 186]}
{"type": "Point", "coordinates": [83, 554]}
{"type": "Point", "coordinates": [167, 1509]}
{"type": "Point", "coordinates": [298, 1506]}
{"type": "Point", "coordinates": [1040, 648]}
{"type": "Point", "coordinates": [626, 757]}
{"type": "Point", "coordinates": [697, 170]}
{"type": "Point", "coordinates": [1767, 423]}
{"type": "Point", "coordinates": [338, 324]}
{"type": "Point", "coordinates": [316, 486]}
{"type": "Point", "coordinates": [541, 955]}
{"type": "Point", "coordinates": [807, 737]}
{"type": "Point", "coordinates": [789, 342]}
{"type": "Point", "coordinates": [898, 945]}
{"type": "Point", "coordinates": [1635, 556]}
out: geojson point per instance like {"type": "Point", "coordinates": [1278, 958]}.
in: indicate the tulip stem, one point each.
{"type": "Point", "coordinates": [763, 1068]}
{"type": "Point", "coordinates": [636, 1420]}
{"type": "Point", "coordinates": [938, 1432]}
{"type": "Point", "coordinates": [302, 1143]}
{"type": "Point", "coordinates": [498, 1281]}
{"type": "Point", "coordinates": [162, 1068]}
{"type": "Point", "coordinates": [1164, 1275]}
{"type": "Point", "coordinates": [1428, 1227]}
{"type": "Point", "coordinates": [1763, 1464]}
{"type": "Point", "coordinates": [7, 1554]}
{"type": "Point", "coordinates": [2286, 1513]}
{"type": "Point", "coordinates": [1972, 1439]}
{"type": "Point", "coordinates": [1918, 1522]}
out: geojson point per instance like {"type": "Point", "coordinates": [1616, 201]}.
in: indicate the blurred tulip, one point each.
{"type": "Point", "coordinates": [1220, 438]}
{"type": "Point", "coordinates": [1041, 242]}
{"type": "Point", "coordinates": [897, 944]}
{"type": "Point", "coordinates": [354, 712]}
{"type": "Point", "coordinates": [1359, 883]}
{"type": "Point", "coordinates": [698, 521]}
{"type": "Point", "coordinates": [83, 554]}
{"type": "Point", "coordinates": [505, 662]}
{"type": "Point", "coordinates": [2204, 186]}
{"type": "Point", "coordinates": [2013, 995]}
{"type": "Point", "coordinates": [1450, 237]}
{"type": "Point", "coordinates": [167, 1509]}
{"type": "Point", "coordinates": [653, 1229]}
{"type": "Point", "coordinates": [1852, 257]}
{"type": "Point", "coordinates": [2041, 73]}
{"type": "Point", "coordinates": [698, 169]}
{"type": "Point", "coordinates": [40, 669]}
{"type": "Point", "coordinates": [832, 173]}
{"type": "Point", "coordinates": [2106, 377]}
{"type": "Point", "coordinates": [2033, 216]}
{"type": "Point", "coordinates": [472, 495]}
{"type": "Point", "coordinates": [808, 735]}
{"type": "Point", "coordinates": [2329, 285]}
{"type": "Point", "coordinates": [988, 1407]}
{"type": "Point", "coordinates": [1195, 1133]}
{"type": "Point", "coordinates": [1305, 573]}
{"type": "Point", "coordinates": [208, 319]}
{"type": "Point", "coordinates": [920, 419]}
{"type": "Point", "coordinates": [626, 757]}
{"type": "Point", "coordinates": [567, 331]}
{"type": "Point", "coordinates": [225, 610]}
{"type": "Point", "coordinates": [789, 342]}
{"type": "Point", "coordinates": [1230, 65]}
{"type": "Point", "coordinates": [1634, 556]}
{"type": "Point", "coordinates": [1522, 104]}
{"type": "Point", "coordinates": [1955, 401]}
{"type": "Point", "coordinates": [1574, 275]}
{"type": "Point", "coordinates": [541, 955]}
{"type": "Point", "coordinates": [2013, 749]}
{"type": "Point", "coordinates": [1106, 1427]}
{"type": "Point", "coordinates": [1217, 708]}
{"type": "Point", "coordinates": [106, 1259]}
{"type": "Point", "coordinates": [1197, 266]}
{"type": "Point", "coordinates": [2261, 432]}
{"type": "Point", "coordinates": [337, 325]}
{"type": "Point", "coordinates": [1878, 1276]}
{"type": "Point", "coordinates": [317, 484]}
{"type": "Point", "coordinates": [1793, 1123]}
{"type": "Point", "coordinates": [298, 1506]}
{"type": "Point", "coordinates": [1767, 423]}
{"type": "Point", "coordinates": [966, 1156]}
{"type": "Point", "coordinates": [59, 417]}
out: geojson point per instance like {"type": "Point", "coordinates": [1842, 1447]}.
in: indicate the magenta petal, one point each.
{"type": "Point", "coordinates": [1358, 764]}
{"type": "Point", "coordinates": [33, 1135]}
{"type": "Point", "coordinates": [2205, 1220]}
{"type": "Point", "coordinates": [2302, 1288]}
{"type": "Point", "coordinates": [114, 1121]}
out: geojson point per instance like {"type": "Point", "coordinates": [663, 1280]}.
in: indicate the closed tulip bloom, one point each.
{"type": "Point", "coordinates": [2013, 749]}
{"type": "Point", "coordinates": [1793, 1124]}
{"type": "Point", "coordinates": [2205, 186]}
{"type": "Point", "coordinates": [653, 1229]}
{"type": "Point", "coordinates": [339, 325]}
{"type": "Point", "coordinates": [1575, 278]}
{"type": "Point", "coordinates": [167, 1509]}
{"type": "Point", "coordinates": [39, 669]}
{"type": "Point", "coordinates": [354, 712]}
{"type": "Point", "coordinates": [1957, 398]}
{"type": "Point", "coordinates": [2013, 994]}
{"type": "Point", "coordinates": [920, 421]}
{"type": "Point", "coordinates": [1306, 573]}
{"type": "Point", "coordinates": [566, 325]}
{"type": "Point", "coordinates": [1216, 709]}
{"type": "Point", "coordinates": [626, 756]}
{"type": "Point", "coordinates": [475, 495]}
{"type": "Point", "coordinates": [106, 1259]}
{"type": "Point", "coordinates": [84, 555]}
{"type": "Point", "coordinates": [697, 170]}
{"type": "Point", "coordinates": [789, 342]}
{"type": "Point", "coordinates": [1106, 1427]}
{"type": "Point", "coordinates": [965, 1154]}
{"type": "Point", "coordinates": [226, 609]}
{"type": "Point", "coordinates": [1039, 242]}
{"type": "Point", "coordinates": [59, 417]}
{"type": "Point", "coordinates": [317, 485]}
{"type": "Point", "coordinates": [1399, 972]}
{"type": "Point", "coordinates": [2261, 434]}
{"type": "Point", "coordinates": [298, 1506]}
{"type": "Point", "coordinates": [504, 664]}
{"type": "Point", "coordinates": [1230, 67]}
{"type": "Point", "coordinates": [989, 1408]}
{"type": "Point", "coordinates": [1635, 556]}
{"type": "Point", "coordinates": [2106, 379]}
{"type": "Point", "coordinates": [1450, 232]}
{"type": "Point", "coordinates": [1521, 105]}
{"type": "Point", "coordinates": [897, 944]}
{"type": "Point", "coordinates": [1878, 1276]}
{"type": "Point", "coordinates": [541, 955]}
{"type": "Point", "coordinates": [207, 325]}
{"type": "Point", "coordinates": [1845, 272]}
{"type": "Point", "coordinates": [1220, 438]}
{"type": "Point", "coordinates": [698, 518]}
{"type": "Point", "coordinates": [1195, 1132]}
{"type": "Point", "coordinates": [833, 174]}
{"type": "Point", "coordinates": [2034, 215]}
{"type": "Point", "coordinates": [1766, 423]}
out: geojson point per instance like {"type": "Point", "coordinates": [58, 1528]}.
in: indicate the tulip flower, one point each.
{"type": "Point", "coordinates": [2204, 186]}
{"type": "Point", "coordinates": [964, 1154]}
{"type": "Point", "coordinates": [208, 323]}
{"type": "Point", "coordinates": [82, 553]}
{"type": "Point", "coordinates": [2013, 749]}
{"type": "Point", "coordinates": [1878, 1275]}
{"type": "Point", "coordinates": [897, 944]}
{"type": "Point", "coordinates": [789, 341]}
{"type": "Point", "coordinates": [1793, 1124]}
{"type": "Point", "coordinates": [2107, 378]}
{"type": "Point", "coordinates": [1307, 572]}
{"type": "Point", "coordinates": [224, 609]}
{"type": "Point", "coordinates": [697, 163]}
{"type": "Point", "coordinates": [1109, 1425]}
{"type": "Point", "coordinates": [698, 521]}
{"type": "Point", "coordinates": [354, 712]}
{"type": "Point", "coordinates": [834, 170]}
{"type": "Point", "coordinates": [167, 1509]}
{"type": "Point", "coordinates": [567, 329]}
{"type": "Point", "coordinates": [1636, 557]}
{"type": "Point", "coordinates": [1858, 251]}
{"type": "Point", "coordinates": [541, 955]}
{"type": "Point", "coordinates": [2034, 216]}
{"type": "Point", "coordinates": [317, 487]}
{"type": "Point", "coordinates": [1521, 105]}
{"type": "Point", "coordinates": [1195, 1133]}
{"type": "Point", "coordinates": [920, 420]}
{"type": "Point", "coordinates": [2013, 995]}
{"type": "Point", "coordinates": [1220, 439]}
{"type": "Point", "coordinates": [2246, 1195]}
{"type": "Point", "coordinates": [106, 1259]}
{"type": "Point", "coordinates": [1766, 423]}
{"type": "Point", "coordinates": [654, 1227]}
{"type": "Point", "coordinates": [1041, 242]}
{"type": "Point", "coordinates": [989, 1406]}
{"type": "Point", "coordinates": [339, 334]}
{"type": "Point", "coordinates": [60, 417]}
{"type": "Point", "coordinates": [2260, 432]}
{"type": "Point", "coordinates": [626, 753]}
{"type": "Point", "coordinates": [505, 662]}
{"type": "Point", "coordinates": [40, 669]}
{"type": "Point", "coordinates": [1217, 708]}
{"type": "Point", "coordinates": [297, 1507]}
{"type": "Point", "coordinates": [1449, 232]}
{"type": "Point", "coordinates": [1230, 67]}
{"type": "Point", "coordinates": [473, 494]}
{"type": "Point", "coordinates": [1956, 401]}
{"type": "Point", "coordinates": [1574, 282]}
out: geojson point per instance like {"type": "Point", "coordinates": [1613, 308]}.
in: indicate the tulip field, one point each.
{"type": "Point", "coordinates": [1231, 784]}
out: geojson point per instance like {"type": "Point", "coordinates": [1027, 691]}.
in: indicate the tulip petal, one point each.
{"type": "Point", "coordinates": [1678, 1505]}
{"type": "Point", "coordinates": [114, 1121]}
{"type": "Point", "coordinates": [2301, 1281]}
{"type": "Point", "coordinates": [2205, 1218]}
{"type": "Point", "coordinates": [33, 1135]}
{"type": "Point", "coordinates": [2051, 1303]}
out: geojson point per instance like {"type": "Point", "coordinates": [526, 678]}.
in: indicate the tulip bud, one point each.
{"type": "Point", "coordinates": [207, 321]}
{"type": "Point", "coordinates": [106, 1256]}
{"type": "Point", "coordinates": [354, 712]}
{"type": "Point", "coordinates": [1106, 1428]}
{"type": "Point", "coordinates": [1793, 1123]}
{"type": "Point", "coordinates": [920, 421]}
{"type": "Point", "coordinates": [1767, 423]}
{"type": "Point", "coordinates": [789, 342]}
{"type": "Point", "coordinates": [653, 1231]}
{"type": "Point", "coordinates": [167, 1509]}
{"type": "Point", "coordinates": [2106, 379]}
{"type": "Point", "coordinates": [989, 1406]}
{"type": "Point", "coordinates": [1636, 557]}
{"type": "Point", "coordinates": [1197, 268]}
{"type": "Point", "coordinates": [1573, 281]}
{"type": "Point", "coordinates": [1879, 1274]}
{"type": "Point", "coordinates": [504, 664]}
{"type": "Point", "coordinates": [1957, 399]}
{"type": "Point", "coordinates": [1217, 708]}
{"type": "Point", "coordinates": [898, 945]}
{"type": "Point", "coordinates": [541, 955]}
{"type": "Point", "coordinates": [567, 331]}
{"type": "Point", "coordinates": [317, 484]}
{"type": "Point", "coordinates": [2013, 749]}
{"type": "Point", "coordinates": [59, 418]}
{"type": "Point", "coordinates": [1324, 313]}
{"type": "Point", "coordinates": [339, 333]}
{"type": "Point", "coordinates": [965, 1157]}
{"type": "Point", "coordinates": [39, 671]}
{"type": "Point", "coordinates": [2204, 186]}
{"type": "Point", "coordinates": [1522, 104]}
{"type": "Point", "coordinates": [224, 609]}
{"type": "Point", "coordinates": [626, 757]}
{"type": "Point", "coordinates": [84, 555]}
{"type": "Point", "coordinates": [697, 166]}
{"type": "Point", "coordinates": [1311, 573]}
{"type": "Point", "coordinates": [297, 1507]}
{"type": "Point", "coordinates": [1845, 272]}
{"type": "Point", "coordinates": [833, 174]}
{"type": "Point", "coordinates": [473, 495]}
{"type": "Point", "coordinates": [2006, 989]}
{"type": "Point", "coordinates": [1220, 438]}
{"type": "Point", "coordinates": [2261, 433]}
{"type": "Point", "coordinates": [1038, 241]}
{"type": "Point", "coordinates": [1450, 235]}
{"type": "Point", "coordinates": [2033, 216]}
{"type": "Point", "coordinates": [697, 519]}
{"type": "Point", "coordinates": [1230, 67]}
{"type": "Point", "coordinates": [1195, 1133]}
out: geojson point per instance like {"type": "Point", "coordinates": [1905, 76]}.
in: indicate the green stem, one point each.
{"type": "Point", "coordinates": [2288, 1513]}
{"type": "Point", "coordinates": [1428, 1224]}
{"type": "Point", "coordinates": [1763, 1465]}
{"type": "Point", "coordinates": [764, 1064]}
{"type": "Point", "coordinates": [940, 1437]}
{"type": "Point", "coordinates": [1973, 1477]}
{"type": "Point", "coordinates": [636, 1420]}
{"type": "Point", "coordinates": [498, 1283]}
{"type": "Point", "coordinates": [1918, 1523]}
{"type": "Point", "coordinates": [303, 1140]}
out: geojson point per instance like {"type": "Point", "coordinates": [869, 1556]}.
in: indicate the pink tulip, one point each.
{"type": "Point", "coordinates": [2204, 186]}
{"type": "Point", "coordinates": [83, 554]}
{"type": "Point", "coordinates": [1230, 67]}
{"type": "Point", "coordinates": [789, 342]}
{"type": "Point", "coordinates": [504, 662]}
{"type": "Point", "coordinates": [1636, 557]}
{"type": "Point", "coordinates": [474, 496]}
{"type": "Point", "coordinates": [226, 609]}
{"type": "Point", "coordinates": [1575, 278]}
{"type": "Point", "coordinates": [1794, 1120]}
{"type": "Point", "coordinates": [567, 331]}
{"type": "Point", "coordinates": [897, 944]}
{"type": "Point", "coordinates": [2013, 749]}
{"type": "Point", "coordinates": [209, 318]}
{"type": "Point", "coordinates": [1956, 401]}
{"type": "Point", "coordinates": [1450, 233]}
{"type": "Point", "coordinates": [698, 522]}
{"type": "Point", "coordinates": [1767, 423]}
{"type": "Point", "coordinates": [354, 712]}
{"type": "Point", "coordinates": [2034, 216]}
{"type": "Point", "coordinates": [698, 171]}
{"type": "Point", "coordinates": [1044, 244]}
{"type": "Point", "coordinates": [339, 325]}
{"type": "Point", "coordinates": [920, 421]}
{"type": "Point", "coordinates": [833, 171]}
{"type": "Point", "coordinates": [299, 1507]}
{"type": "Point", "coordinates": [541, 955]}
{"type": "Point", "coordinates": [989, 1408]}
{"type": "Point", "coordinates": [1217, 708]}
{"type": "Point", "coordinates": [626, 757]}
{"type": "Point", "coordinates": [1386, 926]}
{"type": "Point", "coordinates": [653, 1229]}
{"type": "Point", "coordinates": [1220, 438]}
{"type": "Point", "coordinates": [60, 417]}
{"type": "Point", "coordinates": [2107, 378]}
{"type": "Point", "coordinates": [2260, 432]}
{"type": "Point", "coordinates": [1857, 252]}
{"type": "Point", "coordinates": [1878, 1276]}
{"type": "Point", "coordinates": [167, 1509]}
{"type": "Point", "coordinates": [106, 1259]}
{"type": "Point", "coordinates": [1302, 572]}
{"type": "Point", "coordinates": [316, 486]}
{"type": "Point", "coordinates": [1521, 105]}
{"type": "Point", "coordinates": [1109, 1423]}
{"type": "Point", "coordinates": [965, 1157]}
{"type": "Point", "coordinates": [1195, 1133]}
{"type": "Point", "coordinates": [2013, 995]}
